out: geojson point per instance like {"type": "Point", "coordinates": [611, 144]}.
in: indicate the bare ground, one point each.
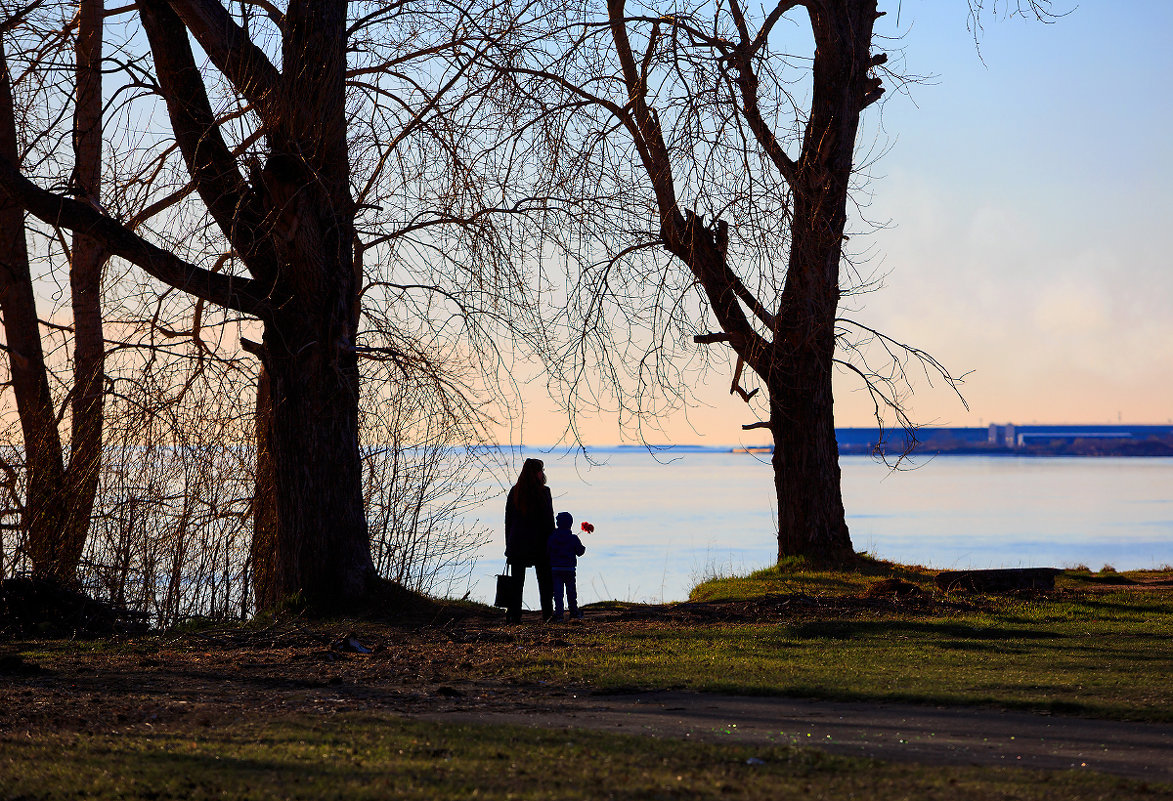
{"type": "Point", "coordinates": [457, 670]}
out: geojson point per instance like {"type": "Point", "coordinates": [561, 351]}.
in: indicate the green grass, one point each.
{"type": "Point", "coordinates": [1063, 668]}
{"type": "Point", "coordinates": [381, 756]}
{"type": "Point", "coordinates": [792, 575]}
{"type": "Point", "coordinates": [1092, 647]}
{"type": "Point", "coordinates": [1105, 654]}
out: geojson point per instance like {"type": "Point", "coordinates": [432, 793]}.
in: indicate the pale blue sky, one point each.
{"type": "Point", "coordinates": [1027, 191]}
{"type": "Point", "coordinates": [1030, 199]}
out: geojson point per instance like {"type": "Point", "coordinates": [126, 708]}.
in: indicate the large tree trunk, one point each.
{"type": "Point", "coordinates": [811, 520]}
{"type": "Point", "coordinates": [310, 540]}
{"type": "Point", "coordinates": [292, 223]}
{"type": "Point", "coordinates": [322, 546]}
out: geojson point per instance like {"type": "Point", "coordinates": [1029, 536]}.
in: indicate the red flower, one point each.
{"type": "Point", "coordinates": [587, 527]}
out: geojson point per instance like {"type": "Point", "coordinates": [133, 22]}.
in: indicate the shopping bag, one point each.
{"type": "Point", "coordinates": [506, 587]}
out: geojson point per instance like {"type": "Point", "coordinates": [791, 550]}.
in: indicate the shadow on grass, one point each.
{"type": "Point", "coordinates": [358, 757]}
{"type": "Point", "coordinates": [1131, 605]}
{"type": "Point", "coordinates": [1108, 579]}
{"type": "Point", "coordinates": [170, 766]}
{"type": "Point", "coordinates": [940, 697]}
{"type": "Point", "coordinates": [847, 629]}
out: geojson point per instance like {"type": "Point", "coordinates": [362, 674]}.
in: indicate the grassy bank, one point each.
{"type": "Point", "coordinates": [1087, 648]}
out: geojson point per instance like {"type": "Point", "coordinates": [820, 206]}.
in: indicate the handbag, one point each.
{"type": "Point", "coordinates": [506, 587]}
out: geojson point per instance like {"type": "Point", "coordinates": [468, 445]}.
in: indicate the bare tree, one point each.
{"type": "Point", "coordinates": [272, 154]}
{"type": "Point", "coordinates": [85, 277]}
{"type": "Point", "coordinates": [60, 483]}
{"type": "Point", "coordinates": [721, 139]}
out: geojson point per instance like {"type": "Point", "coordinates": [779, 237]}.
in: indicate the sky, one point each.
{"type": "Point", "coordinates": [1025, 194]}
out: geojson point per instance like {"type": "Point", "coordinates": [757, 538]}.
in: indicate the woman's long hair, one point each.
{"type": "Point", "coordinates": [525, 491]}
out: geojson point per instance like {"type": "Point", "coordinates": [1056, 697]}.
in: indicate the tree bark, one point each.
{"type": "Point", "coordinates": [45, 502]}
{"type": "Point", "coordinates": [310, 542]}
{"type": "Point", "coordinates": [807, 479]}
{"type": "Point", "coordinates": [263, 548]}
{"type": "Point", "coordinates": [85, 279]}
{"type": "Point", "coordinates": [322, 544]}
{"type": "Point", "coordinates": [322, 547]}
{"type": "Point", "coordinates": [811, 519]}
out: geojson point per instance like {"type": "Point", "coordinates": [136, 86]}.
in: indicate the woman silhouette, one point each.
{"type": "Point", "coordinates": [529, 521]}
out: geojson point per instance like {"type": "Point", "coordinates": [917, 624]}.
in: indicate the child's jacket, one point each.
{"type": "Point", "coordinates": [564, 548]}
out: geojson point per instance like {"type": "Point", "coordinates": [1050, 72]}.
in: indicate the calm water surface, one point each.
{"type": "Point", "coordinates": [663, 523]}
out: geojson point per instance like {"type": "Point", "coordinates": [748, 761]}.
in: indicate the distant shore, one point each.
{"type": "Point", "coordinates": [1086, 448]}
{"type": "Point", "coordinates": [1014, 440]}
{"type": "Point", "coordinates": [996, 440]}
{"type": "Point", "coordinates": [1005, 440]}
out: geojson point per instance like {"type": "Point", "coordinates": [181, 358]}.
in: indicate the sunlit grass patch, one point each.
{"type": "Point", "coordinates": [1101, 652]}
{"type": "Point", "coordinates": [795, 575]}
{"type": "Point", "coordinates": [1093, 668]}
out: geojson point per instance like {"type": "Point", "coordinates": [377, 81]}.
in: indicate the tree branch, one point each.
{"type": "Point", "coordinates": [210, 162]}
{"type": "Point", "coordinates": [736, 387]}
{"type": "Point", "coordinates": [767, 26]}
{"type": "Point", "coordinates": [724, 287]}
{"type": "Point", "coordinates": [233, 292]}
{"type": "Point", "coordinates": [642, 124]}
{"type": "Point", "coordinates": [232, 51]}
{"type": "Point", "coordinates": [747, 83]}
{"type": "Point", "coordinates": [709, 339]}
{"type": "Point", "coordinates": [17, 17]}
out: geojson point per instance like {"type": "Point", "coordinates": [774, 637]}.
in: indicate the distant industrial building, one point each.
{"type": "Point", "coordinates": [1001, 435]}
{"type": "Point", "coordinates": [1012, 436]}
{"type": "Point", "coordinates": [1013, 439]}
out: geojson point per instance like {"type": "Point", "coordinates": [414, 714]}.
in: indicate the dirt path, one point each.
{"type": "Point", "coordinates": [898, 732]}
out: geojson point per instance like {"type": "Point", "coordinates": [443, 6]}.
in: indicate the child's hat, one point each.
{"type": "Point", "coordinates": [564, 519]}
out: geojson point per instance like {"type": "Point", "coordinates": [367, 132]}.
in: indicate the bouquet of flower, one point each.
{"type": "Point", "coordinates": [587, 527]}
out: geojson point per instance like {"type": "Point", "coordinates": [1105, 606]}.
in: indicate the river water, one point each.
{"type": "Point", "coordinates": [665, 522]}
